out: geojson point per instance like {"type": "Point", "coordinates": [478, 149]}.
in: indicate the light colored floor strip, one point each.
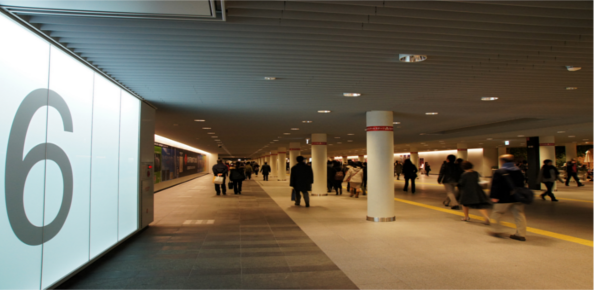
{"type": "Point", "coordinates": [507, 224]}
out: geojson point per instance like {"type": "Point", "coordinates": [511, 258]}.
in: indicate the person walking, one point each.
{"type": "Point", "coordinates": [365, 180]}
{"type": "Point", "coordinates": [255, 167]}
{"type": "Point", "coordinates": [354, 177]}
{"type": "Point", "coordinates": [427, 168]}
{"type": "Point", "coordinates": [572, 171]}
{"type": "Point", "coordinates": [449, 176]}
{"type": "Point", "coordinates": [548, 176]}
{"type": "Point", "coordinates": [265, 169]}
{"type": "Point", "coordinates": [346, 170]}
{"type": "Point", "coordinates": [504, 181]}
{"type": "Point", "coordinates": [409, 173]}
{"type": "Point", "coordinates": [237, 175]}
{"type": "Point", "coordinates": [220, 169]}
{"type": "Point", "coordinates": [398, 169]}
{"type": "Point", "coordinates": [248, 170]}
{"type": "Point", "coordinates": [338, 178]}
{"type": "Point", "coordinates": [301, 179]}
{"type": "Point", "coordinates": [471, 194]}
{"type": "Point", "coordinates": [330, 176]}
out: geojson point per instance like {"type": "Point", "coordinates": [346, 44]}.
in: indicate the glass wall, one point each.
{"type": "Point", "coordinates": [69, 161]}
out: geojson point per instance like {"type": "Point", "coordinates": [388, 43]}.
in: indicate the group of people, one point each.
{"type": "Point", "coordinates": [237, 172]}
{"type": "Point", "coordinates": [355, 173]}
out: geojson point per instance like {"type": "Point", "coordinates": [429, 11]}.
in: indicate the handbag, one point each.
{"type": "Point", "coordinates": [218, 180]}
{"type": "Point", "coordinates": [520, 194]}
{"type": "Point", "coordinates": [293, 195]}
{"type": "Point", "coordinates": [230, 185]}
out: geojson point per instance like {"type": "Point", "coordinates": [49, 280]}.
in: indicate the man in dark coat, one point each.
{"type": "Point", "coordinates": [301, 180]}
{"type": "Point", "coordinates": [504, 181]}
{"type": "Point", "coordinates": [572, 172]}
{"type": "Point", "coordinates": [220, 169]}
{"type": "Point", "coordinates": [265, 169]}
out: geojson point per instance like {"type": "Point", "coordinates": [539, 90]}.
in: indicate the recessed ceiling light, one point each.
{"type": "Point", "coordinates": [431, 113]}
{"type": "Point", "coordinates": [571, 88]}
{"type": "Point", "coordinates": [330, 144]}
{"type": "Point", "coordinates": [489, 139]}
{"type": "Point", "coordinates": [270, 78]}
{"type": "Point", "coordinates": [412, 57]}
{"type": "Point", "coordinates": [351, 94]}
{"type": "Point", "coordinates": [489, 98]}
{"type": "Point", "coordinates": [199, 120]}
{"type": "Point", "coordinates": [286, 133]}
{"type": "Point", "coordinates": [295, 129]}
{"type": "Point", "coordinates": [561, 132]}
{"type": "Point", "coordinates": [337, 137]}
{"type": "Point", "coordinates": [214, 136]}
{"type": "Point", "coordinates": [573, 68]}
{"type": "Point", "coordinates": [308, 122]}
{"type": "Point", "coordinates": [480, 143]}
{"type": "Point", "coordinates": [211, 133]}
{"type": "Point", "coordinates": [206, 128]}
{"type": "Point", "coordinates": [350, 134]}
{"type": "Point", "coordinates": [217, 140]}
{"type": "Point", "coordinates": [324, 111]}
{"type": "Point", "coordinates": [396, 123]}
{"type": "Point", "coordinates": [520, 135]}
{"type": "Point", "coordinates": [349, 140]}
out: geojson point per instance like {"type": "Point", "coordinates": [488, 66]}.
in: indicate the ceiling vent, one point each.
{"type": "Point", "coordinates": [412, 57]}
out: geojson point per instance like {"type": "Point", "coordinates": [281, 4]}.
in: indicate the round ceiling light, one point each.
{"type": "Point", "coordinates": [396, 123]}
{"type": "Point", "coordinates": [573, 68]}
{"type": "Point", "coordinates": [352, 95]}
{"type": "Point", "coordinates": [307, 122]}
{"type": "Point", "coordinates": [207, 128]}
{"type": "Point", "coordinates": [211, 133]}
{"type": "Point", "coordinates": [431, 113]}
{"type": "Point", "coordinates": [199, 120]}
{"type": "Point", "coordinates": [324, 111]}
{"type": "Point", "coordinates": [412, 57]}
{"type": "Point", "coordinates": [487, 99]}
{"type": "Point", "coordinates": [571, 88]}
{"type": "Point", "coordinates": [270, 78]}
{"type": "Point", "coordinates": [350, 134]}
{"type": "Point", "coordinates": [286, 133]}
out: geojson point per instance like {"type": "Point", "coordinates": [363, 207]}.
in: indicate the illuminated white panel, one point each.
{"type": "Point", "coordinates": [166, 141]}
{"type": "Point", "coordinates": [24, 61]}
{"type": "Point", "coordinates": [129, 165]}
{"type": "Point", "coordinates": [73, 82]}
{"type": "Point", "coordinates": [104, 165]}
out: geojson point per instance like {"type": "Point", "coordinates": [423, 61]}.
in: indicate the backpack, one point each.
{"type": "Point", "coordinates": [520, 194]}
{"type": "Point", "coordinates": [339, 175]}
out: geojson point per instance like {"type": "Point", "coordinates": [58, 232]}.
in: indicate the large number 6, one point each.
{"type": "Point", "coordinates": [17, 168]}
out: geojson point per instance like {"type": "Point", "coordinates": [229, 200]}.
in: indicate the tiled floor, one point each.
{"type": "Point", "coordinates": [251, 244]}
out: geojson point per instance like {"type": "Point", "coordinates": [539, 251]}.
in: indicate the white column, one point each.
{"type": "Point", "coordinates": [294, 152]}
{"type": "Point", "coordinates": [282, 157]}
{"type": "Point", "coordinates": [345, 161]}
{"type": "Point", "coordinates": [319, 164]}
{"type": "Point", "coordinates": [547, 149]}
{"type": "Point", "coordinates": [361, 158]}
{"type": "Point", "coordinates": [273, 164]}
{"type": "Point", "coordinates": [212, 161]}
{"type": "Point", "coordinates": [501, 151]}
{"type": "Point", "coordinates": [490, 159]}
{"type": "Point", "coordinates": [380, 148]}
{"type": "Point", "coordinates": [462, 151]}
{"type": "Point", "coordinates": [414, 156]}
{"type": "Point", "coordinates": [570, 150]}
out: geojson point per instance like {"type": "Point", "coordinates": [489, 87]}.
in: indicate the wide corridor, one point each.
{"type": "Point", "coordinates": [261, 240]}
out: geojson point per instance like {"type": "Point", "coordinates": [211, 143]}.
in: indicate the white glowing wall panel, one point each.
{"type": "Point", "coordinates": [68, 161]}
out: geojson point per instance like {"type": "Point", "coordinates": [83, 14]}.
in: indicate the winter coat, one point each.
{"type": "Point", "coordinates": [354, 175]}
{"type": "Point", "coordinates": [410, 171]}
{"type": "Point", "coordinates": [471, 192]}
{"type": "Point", "coordinates": [399, 168]}
{"type": "Point", "coordinates": [450, 173]}
{"type": "Point", "coordinates": [501, 188]}
{"type": "Point", "coordinates": [248, 169]}
{"type": "Point", "coordinates": [301, 177]}
{"type": "Point", "coordinates": [237, 174]}
{"type": "Point", "coordinates": [220, 168]}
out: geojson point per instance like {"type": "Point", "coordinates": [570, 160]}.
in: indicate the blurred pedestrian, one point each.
{"type": "Point", "coordinates": [237, 175]}
{"type": "Point", "coordinates": [301, 178]}
{"type": "Point", "coordinates": [220, 169]}
{"type": "Point", "coordinates": [248, 170]}
{"type": "Point", "coordinates": [330, 176]}
{"type": "Point", "coordinates": [365, 180]}
{"type": "Point", "coordinates": [471, 194]}
{"type": "Point", "coordinates": [255, 167]}
{"type": "Point", "coordinates": [409, 173]}
{"type": "Point", "coordinates": [449, 176]}
{"type": "Point", "coordinates": [548, 176]}
{"type": "Point", "coordinates": [354, 177]}
{"type": "Point", "coordinates": [398, 169]}
{"type": "Point", "coordinates": [427, 168]}
{"type": "Point", "coordinates": [338, 179]}
{"type": "Point", "coordinates": [504, 181]}
{"type": "Point", "coordinates": [265, 169]}
{"type": "Point", "coordinates": [572, 171]}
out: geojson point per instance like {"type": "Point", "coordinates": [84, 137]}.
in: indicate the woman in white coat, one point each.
{"type": "Point", "coordinates": [355, 176]}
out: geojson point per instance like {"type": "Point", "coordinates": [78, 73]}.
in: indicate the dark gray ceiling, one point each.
{"type": "Point", "coordinates": [516, 51]}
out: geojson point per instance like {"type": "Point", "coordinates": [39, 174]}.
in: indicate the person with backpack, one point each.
{"type": "Point", "coordinates": [338, 177]}
{"type": "Point", "coordinates": [355, 177]}
{"type": "Point", "coordinates": [449, 176]}
{"type": "Point", "coordinates": [248, 170]}
{"type": "Point", "coordinates": [548, 175]}
{"type": "Point", "coordinates": [255, 167]}
{"type": "Point", "coordinates": [265, 169]}
{"type": "Point", "coordinates": [301, 178]}
{"type": "Point", "coordinates": [237, 175]}
{"type": "Point", "coordinates": [471, 194]}
{"type": "Point", "coordinates": [409, 173]}
{"type": "Point", "coordinates": [506, 181]}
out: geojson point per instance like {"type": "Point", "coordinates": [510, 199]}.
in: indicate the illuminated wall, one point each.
{"type": "Point", "coordinates": [69, 161]}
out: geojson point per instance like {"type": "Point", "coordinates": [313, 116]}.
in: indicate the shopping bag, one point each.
{"type": "Point", "coordinates": [218, 180]}
{"type": "Point", "coordinates": [293, 194]}
{"type": "Point", "coordinates": [230, 185]}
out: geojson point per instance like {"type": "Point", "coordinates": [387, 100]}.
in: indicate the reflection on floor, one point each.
{"type": "Point", "coordinates": [203, 241]}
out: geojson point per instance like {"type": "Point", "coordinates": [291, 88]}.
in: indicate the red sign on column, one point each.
{"type": "Point", "coordinates": [379, 128]}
